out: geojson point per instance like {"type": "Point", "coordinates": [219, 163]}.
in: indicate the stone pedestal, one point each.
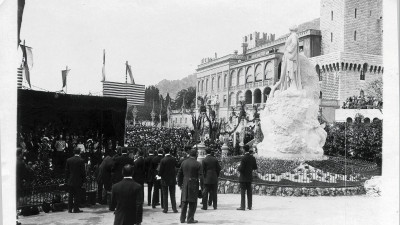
{"type": "Point", "coordinates": [224, 150]}
{"type": "Point", "coordinates": [201, 148]}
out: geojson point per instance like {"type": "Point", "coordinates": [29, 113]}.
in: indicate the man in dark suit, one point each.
{"type": "Point", "coordinates": [104, 178]}
{"type": "Point", "coordinates": [189, 176]}
{"type": "Point", "coordinates": [211, 169]}
{"type": "Point", "coordinates": [168, 180]}
{"type": "Point", "coordinates": [149, 176]}
{"type": "Point", "coordinates": [76, 177]}
{"type": "Point", "coordinates": [139, 170]}
{"type": "Point", "coordinates": [126, 197]}
{"type": "Point", "coordinates": [120, 162]}
{"type": "Point", "coordinates": [156, 178]}
{"type": "Point", "coordinates": [247, 165]}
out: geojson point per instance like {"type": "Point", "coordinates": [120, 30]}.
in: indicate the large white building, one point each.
{"type": "Point", "coordinates": [345, 44]}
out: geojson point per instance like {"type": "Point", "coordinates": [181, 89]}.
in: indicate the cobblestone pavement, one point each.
{"type": "Point", "coordinates": [266, 210]}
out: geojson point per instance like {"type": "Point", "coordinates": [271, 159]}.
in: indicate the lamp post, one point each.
{"type": "Point", "coordinates": [134, 114]}
{"type": "Point", "coordinates": [153, 115]}
{"type": "Point", "coordinates": [201, 148]}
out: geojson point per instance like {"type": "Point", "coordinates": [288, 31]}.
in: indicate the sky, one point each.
{"type": "Point", "coordinates": [161, 39]}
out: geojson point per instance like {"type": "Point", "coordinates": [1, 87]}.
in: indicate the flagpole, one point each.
{"type": "Point", "coordinates": [66, 83]}
{"type": "Point", "coordinates": [126, 73]}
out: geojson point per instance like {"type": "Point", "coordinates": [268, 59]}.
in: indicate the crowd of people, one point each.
{"type": "Point", "coordinates": [151, 137]}
{"type": "Point", "coordinates": [362, 102]}
{"type": "Point", "coordinates": [160, 157]}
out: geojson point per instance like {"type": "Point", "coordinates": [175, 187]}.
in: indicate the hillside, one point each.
{"type": "Point", "coordinates": [174, 86]}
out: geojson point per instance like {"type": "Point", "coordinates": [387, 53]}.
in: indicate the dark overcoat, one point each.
{"type": "Point", "coordinates": [75, 171]}
{"type": "Point", "coordinates": [105, 170]}
{"type": "Point", "coordinates": [139, 170]}
{"type": "Point", "coordinates": [247, 165]}
{"type": "Point", "coordinates": [154, 164]}
{"type": "Point", "coordinates": [120, 162]}
{"type": "Point", "coordinates": [167, 170]}
{"type": "Point", "coordinates": [148, 171]}
{"type": "Point", "coordinates": [126, 200]}
{"type": "Point", "coordinates": [190, 175]}
{"type": "Point", "coordinates": [211, 169]}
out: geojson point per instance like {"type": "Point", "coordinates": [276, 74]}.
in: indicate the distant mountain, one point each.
{"type": "Point", "coordinates": [174, 86]}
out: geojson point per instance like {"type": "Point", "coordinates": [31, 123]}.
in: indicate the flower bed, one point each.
{"type": "Point", "coordinates": [333, 172]}
{"type": "Point", "coordinates": [226, 186]}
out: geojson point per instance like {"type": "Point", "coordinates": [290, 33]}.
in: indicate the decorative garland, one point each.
{"type": "Point", "coordinates": [233, 187]}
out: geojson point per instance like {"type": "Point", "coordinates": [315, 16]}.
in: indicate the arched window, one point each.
{"type": "Point", "coordinates": [355, 13]}
{"type": "Point", "coordinates": [198, 86]}
{"type": "Point", "coordinates": [233, 79]}
{"type": "Point", "coordinates": [225, 80]}
{"type": "Point", "coordinates": [219, 82]}
{"type": "Point", "coordinates": [318, 70]}
{"type": "Point", "coordinates": [355, 35]}
{"type": "Point", "coordinates": [362, 75]}
{"type": "Point", "coordinates": [185, 120]}
{"type": "Point", "coordinates": [331, 37]}
{"type": "Point", "coordinates": [258, 73]}
{"type": "Point", "coordinates": [212, 83]}
{"type": "Point", "coordinates": [180, 121]}
{"type": "Point", "coordinates": [206, 84]}
{"type": "Point", "coordinates": [331, 15]}
{"type": "Point", "coordinates": [367, 120]}
{"type": "Point", "coordinates": [249, 75]}
{"type": "Point", "coordinates": [279, 70]}
{"type": "Point", "coordinates": [241, 78]}
{"type": "Point", "coordinates": [349, 120]}
{"type": "Point", "coordinates": [320, 95]}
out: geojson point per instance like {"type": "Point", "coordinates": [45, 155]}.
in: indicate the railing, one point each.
{"type": "Point", "coordinates": [36, 195]}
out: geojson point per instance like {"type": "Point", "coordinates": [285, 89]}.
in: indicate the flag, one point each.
{"type": "Point", "coordinates": [64, 74]}
{"type": "Point", "coordinates": [104, 66]}
{"type": "Point", "coordinates": [27, 62]}
{"type": "Point", "coordinates": [21, 5]}
{"type": "Point", "coordinates": [129, 71]}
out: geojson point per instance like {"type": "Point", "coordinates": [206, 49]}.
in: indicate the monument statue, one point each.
{"type": "Point", "coordinates": [289, 121]}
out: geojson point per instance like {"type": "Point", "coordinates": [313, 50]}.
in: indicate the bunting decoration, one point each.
{"type": "Point", "coordinates": [134, 93]}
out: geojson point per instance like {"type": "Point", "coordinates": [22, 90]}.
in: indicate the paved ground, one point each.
{"type": "Point", "coordinates": [267, 210]}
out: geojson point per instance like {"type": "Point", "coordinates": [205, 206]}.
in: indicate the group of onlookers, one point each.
{"type": "Point", "coordinates": [362, 102]}
{"type": "Point", "coordinates": [162, 158]}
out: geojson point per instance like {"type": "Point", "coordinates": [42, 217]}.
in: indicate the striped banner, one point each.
{"type": "Point", "coordinates": [19, 77]}
{"type": "Point", "coordinates": [134, 93]}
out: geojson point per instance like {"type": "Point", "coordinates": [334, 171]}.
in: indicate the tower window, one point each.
{"type": "Point", "coordinates": [362, 75]}
{"type": "Point", "coordinates": [331, 37]}
{"type": "Point", "coordinates": [355, 13]}
{"type": "Point", "coordinates": [331, 15]}
{"type": "Point", "coordinates": [355, 35]}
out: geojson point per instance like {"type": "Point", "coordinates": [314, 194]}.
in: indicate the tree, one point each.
{"type": "Point", "coordinates": [188, 96]}
{"type": "Point", "coordinates": [151, 94]}
{"type": "Point", "coordinates": [375, 88]}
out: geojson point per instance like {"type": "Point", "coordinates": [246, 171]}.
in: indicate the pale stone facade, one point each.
{"type": "Point", "coordinates": [345, 44]}
{"type": "Point", "coordinates": [179, 118]}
